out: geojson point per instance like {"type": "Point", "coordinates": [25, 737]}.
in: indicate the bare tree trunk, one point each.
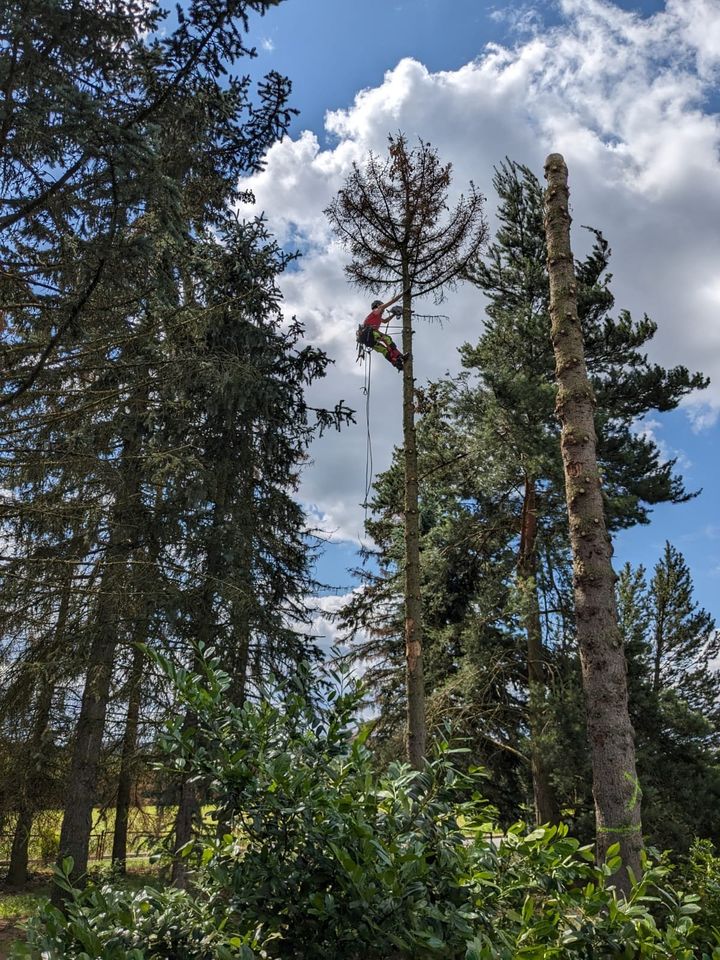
{"type": "Point", "coordinates": [416, 730]}
{"type": "Point", "coordinates": [187, 812]}
{"type": "Point", "coordinates": [28, 786]}
{"type": "Point", "coordinates": [127, 762]}
{"type": "Point", "coordinates": [546, 810]}
{"type": "Point", "coordinates": [615, 785]}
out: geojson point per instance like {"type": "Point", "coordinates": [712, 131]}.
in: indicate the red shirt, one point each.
{"type": "Point", "coordinates": [373, 320]}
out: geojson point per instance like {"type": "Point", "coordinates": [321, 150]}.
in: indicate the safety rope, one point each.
{"type": "Point", "coordinates": [368, 439]}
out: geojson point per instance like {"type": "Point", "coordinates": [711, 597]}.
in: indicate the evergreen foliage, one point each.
{"type": "Point", "coordinates": [154, 420]}
{"type": "Point", "coordinates": [332, 859]}
{"type": "Point", "coordinates": [481, 438]}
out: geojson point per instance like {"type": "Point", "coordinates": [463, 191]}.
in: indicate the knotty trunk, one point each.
{"type": "Point", "coordinates": [615, 784]}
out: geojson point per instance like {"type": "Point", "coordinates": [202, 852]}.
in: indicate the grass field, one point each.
{"type": "Point", "coordinates": [146, 824]}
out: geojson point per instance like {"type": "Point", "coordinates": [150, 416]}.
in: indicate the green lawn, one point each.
{"type": "Point", "coordinates": [145, 823]}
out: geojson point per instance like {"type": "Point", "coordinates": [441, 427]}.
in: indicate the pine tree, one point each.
{"type": "Point", "coordinates": [684, 638]}
{"type": "Point", "coordinates": [488, 445]}
{"type": "Point", "coordinates": [391, 216]}
{"type": "Point", "coordinates": [676, 735]}
{"type": "Point", "coordinates": [512, 408]}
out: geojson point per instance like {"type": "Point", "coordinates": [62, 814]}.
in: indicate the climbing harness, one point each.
{"type": "Point", "coordinates": [364, 338]}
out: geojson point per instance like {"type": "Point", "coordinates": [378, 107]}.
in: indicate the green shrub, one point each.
{"type": "Point", "coordinates": [47, 838]}
{"type": "Point", "coordinates": [324, 857]}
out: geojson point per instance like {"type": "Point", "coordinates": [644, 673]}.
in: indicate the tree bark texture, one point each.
{"type": "Point", "coordinates": [28, 786]}
{"type": "Point", "coordinates": [546, 809]}
{"type": "Point", "coordinates": [187, 812]}
{"type": "Point", "coordinates": [416, 729]}
{"type": "Point", "coordinates": [127, 762]}
{"type": "Point", "coordinates": [615, 784]}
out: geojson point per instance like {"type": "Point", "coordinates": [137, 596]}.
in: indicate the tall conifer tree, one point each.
{"type": "Point", "coordinates": [391, 215]}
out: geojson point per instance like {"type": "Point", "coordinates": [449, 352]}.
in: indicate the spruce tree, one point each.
{"type": "Point", "coordinates": [155, 135]}
{"type": "Point", "coordinates": [86, 88]}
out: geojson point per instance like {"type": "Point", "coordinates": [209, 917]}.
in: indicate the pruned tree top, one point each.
{"type": "Point", "coordinates": [394, 217]}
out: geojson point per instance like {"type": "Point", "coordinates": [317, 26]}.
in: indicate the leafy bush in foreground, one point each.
{"type": "Point", "coordinates": [326, 858]}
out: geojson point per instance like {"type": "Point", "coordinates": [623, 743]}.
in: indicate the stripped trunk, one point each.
{"type": "Point", "coordinates": [615, 785]}
{"type": "Point", "coordinates": [546, 810]}
{"type": "Point", "coordinates": [416, 732]}
{"type": "Point", "coordinates": [28, 786]}
{"type": "Point", "coordinates": [127, 762]}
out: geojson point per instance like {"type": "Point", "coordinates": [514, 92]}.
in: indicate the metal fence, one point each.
{"type": "Point", "coordinates": [139, 844]}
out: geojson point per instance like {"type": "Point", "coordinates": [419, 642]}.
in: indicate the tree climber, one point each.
{"type": "Point", "coordinates": [369, 333]}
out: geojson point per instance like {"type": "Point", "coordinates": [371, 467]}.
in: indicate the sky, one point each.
{"type": "Point", "coordinates": [625, 90]}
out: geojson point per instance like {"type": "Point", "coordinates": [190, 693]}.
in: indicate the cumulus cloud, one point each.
{"type": "Point", "coordinates": [623, 97]}
{"type": "Point", "coordinates": [329, 637]}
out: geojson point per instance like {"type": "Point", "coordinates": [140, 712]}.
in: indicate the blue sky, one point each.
{"type": "Point", "coordinates": [330, 49]}
{"type": "Point", "coordinates": [627, 90]}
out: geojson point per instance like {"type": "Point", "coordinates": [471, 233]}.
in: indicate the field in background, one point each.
{"type": "Point", "coordinates": [147, 825]}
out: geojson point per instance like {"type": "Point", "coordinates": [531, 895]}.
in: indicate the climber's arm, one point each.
{"type": "Point", "coordinates": [389, 303]}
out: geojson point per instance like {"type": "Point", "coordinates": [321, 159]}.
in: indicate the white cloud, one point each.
{"type": "Point", "coordinates": [650, 429]}
{"type": "Point", "coordinates": [624, 98]}
{"type": "Point", "coordinates": [268, 44]}
{"type": "Point", "coordinates": [329, 636]}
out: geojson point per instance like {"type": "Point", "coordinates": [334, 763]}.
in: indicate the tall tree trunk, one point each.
{"type": "Point", "coordinates": [416, 730]}
{"type": "Point", "coordinates": [615, 785]}
{"type": "Point", "coordinates": [127, 761]}
{"type": "Point", "coordinates": [188, 809]}
{"type": "Point", "coordinates": [546, 810]}
{"type": "Point", "coordinates": [28, 786]}
{"type": "Point", "coordinates": [187, 812]}
{"type": "Point", "coordinates": [84, 768]}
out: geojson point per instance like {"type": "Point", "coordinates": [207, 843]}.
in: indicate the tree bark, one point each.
{"type": "Point", "coordinates": [187, 812]}
{"type": "Point", "coordinates": [28, 787]}
{"type": "Point", "coordinates": [615, 785]}
{"type": "Point", "coordinates": [416, 730]}
{"type": "Point", "coordinates": [127, 763]}
{"type": "Point", "coordinates": [546, 809]}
